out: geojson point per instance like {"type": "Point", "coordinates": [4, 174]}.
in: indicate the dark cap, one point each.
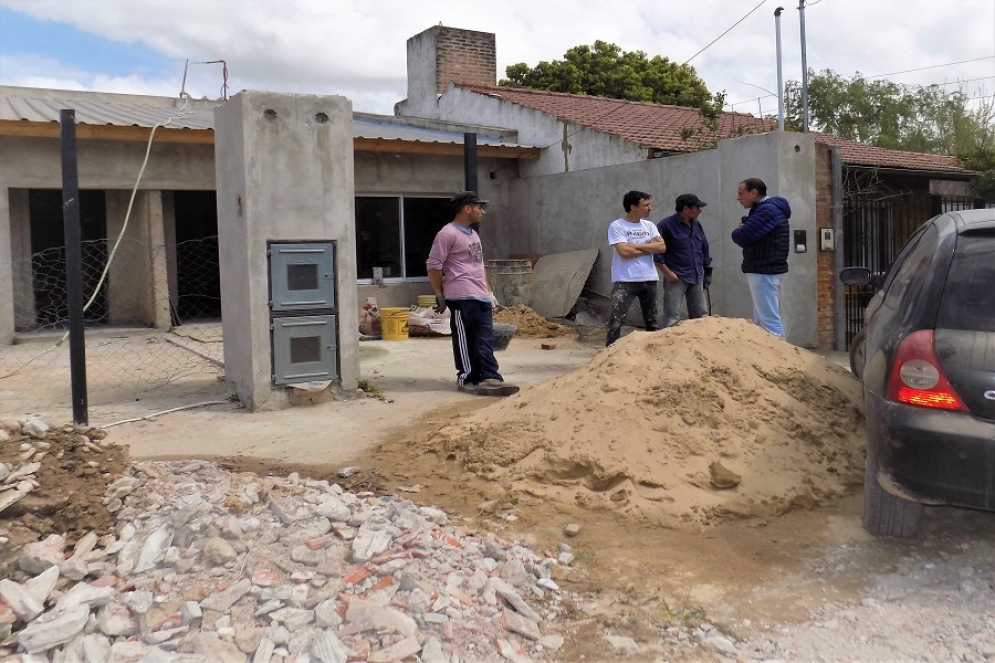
{"type": "Point", "coordinates": [688, 200]}
{"type": "Point", "coordinates": [466, 198]}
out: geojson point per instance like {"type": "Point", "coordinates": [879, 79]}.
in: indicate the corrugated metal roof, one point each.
{"type": "Point", "coordinates": [35, 109]}
{"type": "Point", "coordinates": [366, 128]}
{"type": "Point", "coordinates": [104, 113]}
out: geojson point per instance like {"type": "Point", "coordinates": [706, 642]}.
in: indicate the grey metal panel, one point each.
{"type": "Point", "coordinates": [302, 276]}
{"type": "Point", "coordinates": [304, 349]}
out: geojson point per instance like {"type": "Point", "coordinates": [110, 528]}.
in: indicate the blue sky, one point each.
{"type": "Point", "coordinates": [24, 35]}
{"type": "Point", "coordinates": [357, 47]}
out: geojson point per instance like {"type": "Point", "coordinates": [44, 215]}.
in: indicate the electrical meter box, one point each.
{"type": "Point", "coordinates": [302, 276]}
{"type": "Point", "coordinates": [303, 315]}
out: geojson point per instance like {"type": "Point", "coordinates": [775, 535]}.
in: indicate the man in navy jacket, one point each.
{"type": "Point", "coordinates": [687, 265]}
{"type": "Point", "coordinates": [765, 237]}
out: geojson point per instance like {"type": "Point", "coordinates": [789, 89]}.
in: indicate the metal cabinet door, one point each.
{"type": "Point", "coordinates": [304, 349]}
{"type": "Point", "coordinates": [302, 276]}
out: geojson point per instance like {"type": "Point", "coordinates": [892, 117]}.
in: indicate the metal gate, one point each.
{"type": "Point", "coordinates": [875, 227]}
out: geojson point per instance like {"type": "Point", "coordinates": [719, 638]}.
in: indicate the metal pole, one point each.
{"type": "Point", "coordinates": [801, 12]}
{"type": "Point", "coordinates": [780, 79]}
{"type": "Point", "coordinates": [74, 266]}
{"type": "Point", "coordinates": [470, 162]}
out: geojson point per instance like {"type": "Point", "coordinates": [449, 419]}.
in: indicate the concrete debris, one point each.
{"type": "Point", "coordinates": [206, 566]}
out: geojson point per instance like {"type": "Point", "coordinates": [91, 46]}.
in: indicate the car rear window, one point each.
{"type": "Point", "coordinates": [911, 269]}
{"type": "Point", "coordinates": [969, 294]}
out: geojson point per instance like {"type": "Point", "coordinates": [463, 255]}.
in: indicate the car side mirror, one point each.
{"type": "Point", "coordinates": [861, 276]}
{"type": "Point", "coordinates": [856, 276]}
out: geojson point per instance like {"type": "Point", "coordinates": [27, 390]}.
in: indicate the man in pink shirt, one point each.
{"type": "Point", "coordinates": [456, 272]}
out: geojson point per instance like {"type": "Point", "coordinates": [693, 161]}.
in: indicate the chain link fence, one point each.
{"type": "Point", "coordinates": [131, 365]}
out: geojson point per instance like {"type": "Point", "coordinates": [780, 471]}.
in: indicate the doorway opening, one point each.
{"type": "Point", "coordinates": [198, 269]}
{"type": "Point", "coordinates": [48, 256]}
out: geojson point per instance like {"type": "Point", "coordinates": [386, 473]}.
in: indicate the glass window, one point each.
{"type": "Point", "coordinates": [969, 296]}
{"type": "Point", "coordinates": [305, 349]}
{"type": "Point", "coordinates": [912, 269]}
{"type": "Point", "coordinates": [395, 233]}
{"type": "Point", "coordinates": [302, 277]}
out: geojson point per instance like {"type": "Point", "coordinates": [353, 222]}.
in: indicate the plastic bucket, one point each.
{"type": "Point", "coordinates": [511, 281]}
{"type": "Point", "coordinates": [394, 324]}
{"type": "Point", "coordinates": [426, 301]}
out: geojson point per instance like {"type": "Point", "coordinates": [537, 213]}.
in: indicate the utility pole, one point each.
{"type": "Point", "coordinates": [780, 78]}
{"type": "Point", "coordinates": [801, 12]}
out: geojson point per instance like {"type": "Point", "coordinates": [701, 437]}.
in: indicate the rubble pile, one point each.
{"type": "Point", "coordinates": [206, 566]}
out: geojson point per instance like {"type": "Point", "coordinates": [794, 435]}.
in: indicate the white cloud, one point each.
{"type": "Point", "coordinates": [357, 47]}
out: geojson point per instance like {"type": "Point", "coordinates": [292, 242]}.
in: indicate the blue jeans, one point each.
{"type": "Point", "coordinates": [674, 292]}
{"type": "Point", "coordinates": [765, 289]}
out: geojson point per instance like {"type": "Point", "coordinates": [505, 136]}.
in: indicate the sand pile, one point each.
{"type": "Point", "coordinates": [711, 419]}
{"type": "Point", "coordinates": [530, 324]}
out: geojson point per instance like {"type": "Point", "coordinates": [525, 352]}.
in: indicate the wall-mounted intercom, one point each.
{"type": "Point", "coordinates": [827, 239]}
{"type": "Point", "coordinates": [303, 312]}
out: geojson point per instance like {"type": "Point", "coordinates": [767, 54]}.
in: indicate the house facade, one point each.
{"type": "Point", "coordinates": [869, 199]}
{"type": "Point", "coordinates": [554, 165]}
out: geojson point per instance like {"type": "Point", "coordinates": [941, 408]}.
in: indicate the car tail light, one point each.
{"type": "Point", "coordinates": [917, 378]}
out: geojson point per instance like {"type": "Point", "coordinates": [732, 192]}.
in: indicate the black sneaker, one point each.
{"type": "Point", "coordinates": [495, 387]}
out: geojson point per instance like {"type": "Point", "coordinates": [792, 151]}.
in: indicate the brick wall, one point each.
{"type": "Point", "coordinates": [825, 260]}
{"type": "Point", "coordinates": [464, 56]}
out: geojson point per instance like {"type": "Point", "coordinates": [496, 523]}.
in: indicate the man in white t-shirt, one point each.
{"type": "Point", "coordinates": [635, 240]}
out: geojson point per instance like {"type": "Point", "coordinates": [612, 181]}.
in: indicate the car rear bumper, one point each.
{"type": "Point", "coordinates": [933, 456]}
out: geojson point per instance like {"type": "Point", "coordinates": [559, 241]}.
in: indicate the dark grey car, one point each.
{"type": "Point", "coordinates": [927, 360]}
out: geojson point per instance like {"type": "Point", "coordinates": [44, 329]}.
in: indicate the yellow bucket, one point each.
{"type": "Point", "coordinates": [426, 301]}
{"type": "Point", "coordinates": [394, 324]}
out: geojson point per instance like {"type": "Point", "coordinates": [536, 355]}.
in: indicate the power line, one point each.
{"type": "Point", "coordinates": [924, 85]}
{"type": "Point", "coordinates": [724, 33]}
{"type": "Point", "coordinates": [933, 66]}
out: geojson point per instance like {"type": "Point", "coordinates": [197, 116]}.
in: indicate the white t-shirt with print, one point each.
{"type": "Point", "coordinates": [632, 269]}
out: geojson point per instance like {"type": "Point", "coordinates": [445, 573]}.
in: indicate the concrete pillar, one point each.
{"type": "Point", "coordinates": [169, 235]}
{"type": "Point", "coordinates": [284, 172]}
{"type": "Point", "coordinates": [6, 272]}
{"type": "Point", "coordinates": [137, 282]}
{"type": "Point", "coordinates": [21, 271]}
{"type": "Point", "coordinates": [158, 310]}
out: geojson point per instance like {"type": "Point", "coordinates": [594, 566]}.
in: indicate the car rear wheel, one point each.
{"type": "Point", "coordinates": [857, 349]}
{"type": "Point", "coordinates": [885, 514]}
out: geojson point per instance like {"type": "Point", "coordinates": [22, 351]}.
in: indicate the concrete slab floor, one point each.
{"type": "Point", "coordinates": [416, 376]}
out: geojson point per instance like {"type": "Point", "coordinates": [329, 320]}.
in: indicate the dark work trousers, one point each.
{"type": "Point", "coordinates": [473, 340]}
{"type": "Point", "coordinates": [623, 292]}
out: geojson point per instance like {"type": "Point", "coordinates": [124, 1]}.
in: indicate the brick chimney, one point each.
{"type": "Point", "coordinates": [440, 55]}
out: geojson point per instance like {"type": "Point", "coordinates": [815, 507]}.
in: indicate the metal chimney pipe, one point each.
{"type": "Point", "coordinates": [801, 12]}
{"type": "Point", "coordinates": [780, 79]}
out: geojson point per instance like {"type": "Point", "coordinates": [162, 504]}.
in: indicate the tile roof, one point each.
{"type": "Point", "coordinates": [660, 127]}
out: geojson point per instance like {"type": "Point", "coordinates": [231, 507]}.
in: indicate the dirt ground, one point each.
{"type": "Point", "coordinates": [748, 573]}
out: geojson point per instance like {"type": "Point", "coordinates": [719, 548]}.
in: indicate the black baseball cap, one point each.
{"type": "Point", "coordinates": [688, 200]}
{"type": "Point", "coordinates": [466, 198]}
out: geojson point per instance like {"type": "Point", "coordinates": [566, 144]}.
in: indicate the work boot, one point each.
{"type": "Point", "coordinates": [495, 387]}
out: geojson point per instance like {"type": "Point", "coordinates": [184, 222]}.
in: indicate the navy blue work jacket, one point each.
{"type": "Point", "coordinates": [687, 248]}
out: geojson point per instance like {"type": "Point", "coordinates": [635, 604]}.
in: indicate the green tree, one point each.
{"type": "Point", "coordinates": [605, 70]}
{"type": "Point", "coordinates": [891, 115]}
